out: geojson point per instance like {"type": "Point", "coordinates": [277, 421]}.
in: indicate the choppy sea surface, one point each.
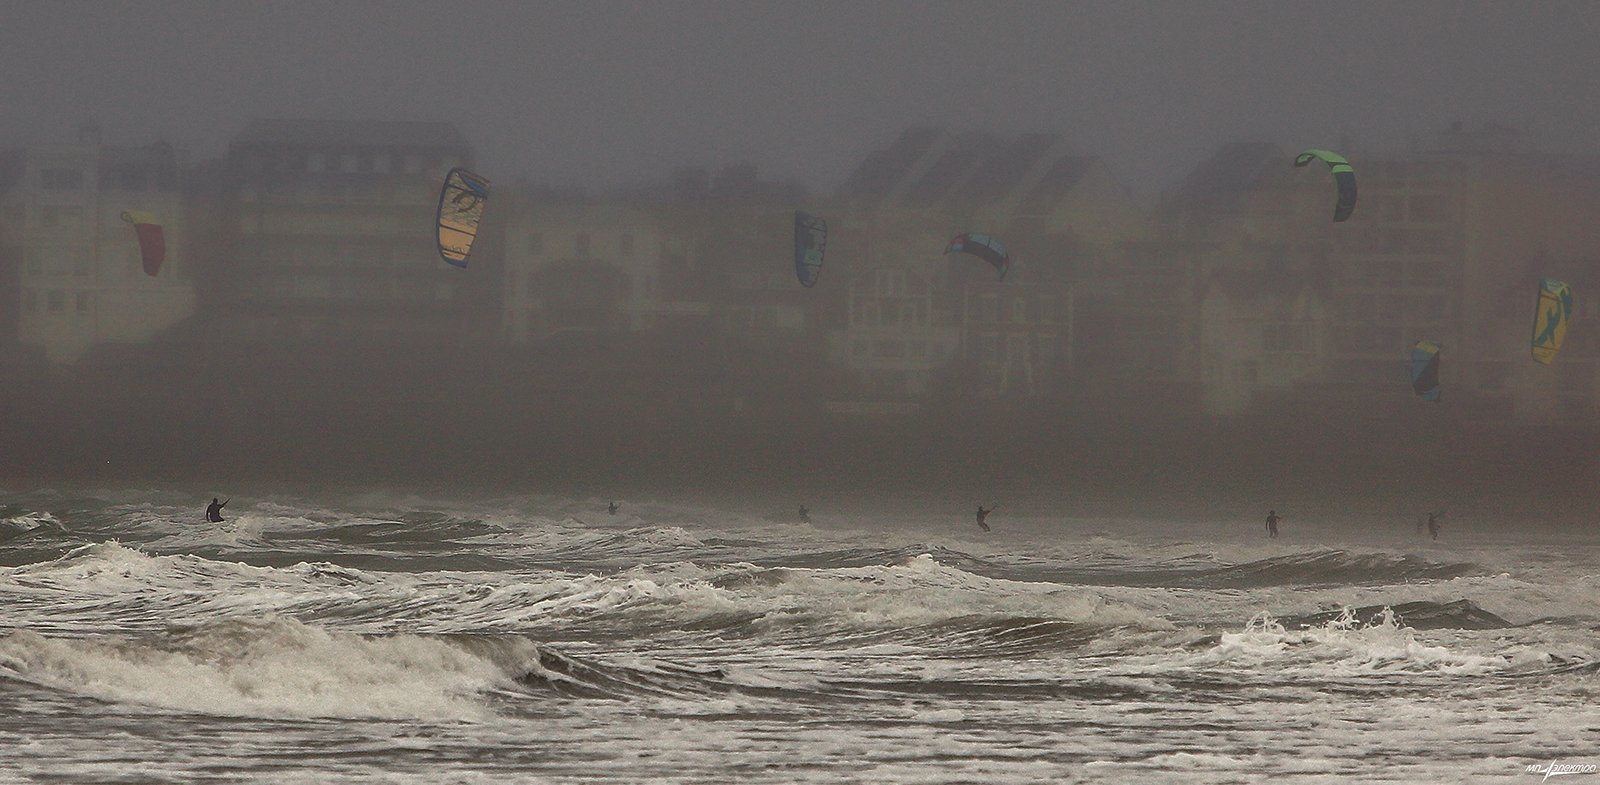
{"type": "Point", "coordinates": [541, 639]}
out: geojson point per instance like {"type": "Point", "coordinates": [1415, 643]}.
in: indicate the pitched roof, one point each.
{"type": "Point", "coordinates": [1222, 182]}
{"type": "Point", "coordinates": [883, 169]}
{"type": "Point", "coordinates": [1007, 165]}
{"type": "Point", "coordinates": [931, 167]}
{"type": "Point", "coordinates": [1057, 181]}
{"type": "Point", "coordinates": [322, 133]}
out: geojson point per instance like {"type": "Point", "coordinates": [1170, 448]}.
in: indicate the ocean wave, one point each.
{"type": "Point", "coordinates": [1418, 615]}
{"type": "Point", "coordinates": [1350, 644]}
{"type": "Point", "coordinates": [1326, 567]}
{"type": "Point", "coordinates": [273, 667]}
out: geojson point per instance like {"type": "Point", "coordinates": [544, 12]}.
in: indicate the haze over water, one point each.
{"type": "Point", "coordinates": [418, 581]}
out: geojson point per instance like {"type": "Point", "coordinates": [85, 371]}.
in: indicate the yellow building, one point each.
{"type": "Point", "coordinates": [579, 266]}
{"type": "Point", "coordinates": [1258, 336]}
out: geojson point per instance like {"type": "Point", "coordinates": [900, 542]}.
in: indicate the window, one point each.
{"type": "Point", "coordinates": [81, 302]}
{"type": "Point", "coordinates": [56, 300]}
{"type": "Point", "coordinates": [61, 217]}
{"type": "Point", "coordinates": [1429, 208]}
{"type": "Point", "coordinates": [1047, 305]}
{"type": "Point", "coordinates": [989, 308]}
{"type": "Point", "coordinates": [535, 243]}
{"type": "Point", "coordinates": [1389, 209]}
{"type": "Point", "coordinates": [60, 179]}
{"type": "Point", "coordinates": [625, 245]}
{"type": "Point", "coordinates": [580, 244]}
{"type": "Point", "coordinates": [124, 178]}
{"type": "Point", "coordinates": [1016, 349]}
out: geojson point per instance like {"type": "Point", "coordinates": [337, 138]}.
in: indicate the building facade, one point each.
{"type": "Point", "coordinates": [330, 235]}
{"type": "Point", "coordinates": [80, 282]}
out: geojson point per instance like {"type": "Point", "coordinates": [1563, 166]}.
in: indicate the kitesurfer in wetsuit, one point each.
{"type": "Point", "coordinates": [612, 508]}
{"type": "Point", "coordinates": [805, 514]}
{"type": "Point", "coordinates": [1433, 524]}
{"type": "Point", "coordinates": [983, 516]}
{"type": "Point", "coordinates": [1272, 523]}
{"type": "Point", "coordinates": [214, 510]}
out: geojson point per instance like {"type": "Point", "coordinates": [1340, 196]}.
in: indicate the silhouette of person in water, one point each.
{"type": "Point", "coordinates": [214, 510]}
{"type": "Point", "coordinates": [1272, 524]}
{"type": "Point", "coordinates": [805, 514]}
{"type": "Point", "coordinates": [612, 508]}
{"type": "Point", "coordinates": [1433, 524]}
{"type": "Point", "coordinates": [983, 516]}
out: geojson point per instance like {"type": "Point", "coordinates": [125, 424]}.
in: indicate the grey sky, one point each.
{"type": "Point", "coordinates": [606, 92]}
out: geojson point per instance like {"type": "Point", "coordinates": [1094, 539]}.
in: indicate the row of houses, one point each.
{"type": "Point", "coordinates": [1236, 292]}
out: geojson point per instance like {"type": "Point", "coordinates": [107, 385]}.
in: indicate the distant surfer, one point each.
{"type": "Point", "coordinates": [612, 508]}
{"type": "Point", "coordinates": [983, 517]}
{"type": "Point", "coordinates": [214, 510]}
{"type": "Point", "coordinates": [1272, 524]}
{"type": "Point", "coordinates": [1433, 524]}
{"type": "Point", "coordinates": [805, 514]}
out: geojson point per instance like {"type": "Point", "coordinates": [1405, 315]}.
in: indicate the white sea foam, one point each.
{"type": "Point", "coordinates": [272, 667]}
{"type": "Point", "coordinates": [677, 642]}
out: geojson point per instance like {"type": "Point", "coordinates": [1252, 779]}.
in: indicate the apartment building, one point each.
{"type": "Point", "coordinates": [916, 316]}
{"type": "Point", "coordinates": [80, 280]}
{"type": "Point", "coordinates": [579, 265]}
{"type": "Point", "coordinates": [330, 235]}
{"type": "Point", "coordinates": [1447, 243]}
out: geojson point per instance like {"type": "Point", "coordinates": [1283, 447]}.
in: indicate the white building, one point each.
{"type": "Point", "coordinates": [82, 283]}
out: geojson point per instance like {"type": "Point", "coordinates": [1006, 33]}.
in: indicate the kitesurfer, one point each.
{"type": "Point", "coordinates": [612, 508]}
{"type": "Point", "coordinates": [214, 510]}
{"type": "Point", "coordinates": [1433, 524]}
{"type": "Point", "coordinates": [1272, 523]}
{"type": "Point", "coordinates": [983, 516]}
{"type": "Point", "coordinates": [805, 514]}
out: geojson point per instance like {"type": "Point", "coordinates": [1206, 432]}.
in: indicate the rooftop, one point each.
{"type": "Point", "coordinates": [325, 133]}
